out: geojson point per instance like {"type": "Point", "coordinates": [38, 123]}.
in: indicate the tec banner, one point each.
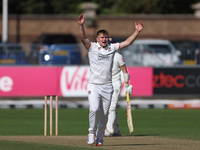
{"type": "Point", "coordinates": [176, 81]}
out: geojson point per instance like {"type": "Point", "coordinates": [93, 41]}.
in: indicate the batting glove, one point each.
{"type": "Point", "coordinates": [128, 88]}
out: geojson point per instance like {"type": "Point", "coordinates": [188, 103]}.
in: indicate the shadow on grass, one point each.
{"type": "Point", "coordinates": [140, 135]}
{"type": "Point", "coordinates": [137, 144]}
{"type": "Point", "coordinates": [133, 144]}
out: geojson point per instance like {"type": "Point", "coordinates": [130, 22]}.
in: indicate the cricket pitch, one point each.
{"type": "Point", "coordinates": [117, 143]}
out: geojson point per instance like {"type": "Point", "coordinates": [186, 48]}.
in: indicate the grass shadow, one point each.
{"type": "Point", "coordinates": [140, 135]}
{"type": "Point", "coordinates": [133, 144]}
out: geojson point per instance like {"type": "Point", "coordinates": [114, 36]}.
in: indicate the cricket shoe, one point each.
{"type": "Point", "coordinates": [91, 139]}
{"type": "Point", "coordinates": [99, 144]}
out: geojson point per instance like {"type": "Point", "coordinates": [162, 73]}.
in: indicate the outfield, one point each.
{"type": "Point", "coordinates": [181, 125]}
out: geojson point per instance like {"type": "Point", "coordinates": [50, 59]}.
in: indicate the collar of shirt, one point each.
{"type": "Point", "coordinates": [99, 46]}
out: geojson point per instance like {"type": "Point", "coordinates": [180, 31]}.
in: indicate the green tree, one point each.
{"type": "Point", "coordinates": [104, 6]}
{"type": "Point", "coordinates": [155, 6]}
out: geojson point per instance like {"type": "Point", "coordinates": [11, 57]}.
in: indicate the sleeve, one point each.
{"type": "Point", "coordinates": [116, 46]}
{"type": "Point", "coordinates": [91, 46]}
{"type": "Point", "coordinates": [120, 60]}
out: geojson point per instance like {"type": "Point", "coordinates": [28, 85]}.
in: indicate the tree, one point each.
{"type": "Point", "coordinates": [105, 6]}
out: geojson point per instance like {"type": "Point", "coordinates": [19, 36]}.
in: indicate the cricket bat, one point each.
{"type": "Point", "coordinates": [129, 115]}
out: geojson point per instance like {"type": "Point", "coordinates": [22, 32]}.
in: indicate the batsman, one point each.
{"type": "Point", "coordinates": [100, 89]}
{"type": "Point", "coordinates": [112, 127]}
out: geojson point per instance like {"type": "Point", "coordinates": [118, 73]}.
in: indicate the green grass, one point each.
{"type": "Point", "coordinates": [31, 122]}
{"type": "Point", "coordinates": [180, 124]}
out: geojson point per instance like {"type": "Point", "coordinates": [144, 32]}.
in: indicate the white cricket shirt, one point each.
{"type": "Point", "coordinates": [117, 63]}
{"type": "Point", "coordinates": [101, 62]}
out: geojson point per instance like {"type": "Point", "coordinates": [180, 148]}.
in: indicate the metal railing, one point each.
{"type": "Point", "coordinates": [75, 54]}
{"type": "Point", "coordinates": [39, 54]}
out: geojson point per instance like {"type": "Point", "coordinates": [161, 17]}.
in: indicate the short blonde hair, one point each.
{"type": "Point", "coordinates": [104, 32]}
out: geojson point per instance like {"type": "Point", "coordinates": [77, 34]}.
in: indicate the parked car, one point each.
{"type": "Point", "coordinates": [190, 50]}
{"type": "Point", "coordinates": [56, 49]}
{"type": "Point", "coordinates": [12, 54]}
{"type": "Point", "coordinates": [151, 52]}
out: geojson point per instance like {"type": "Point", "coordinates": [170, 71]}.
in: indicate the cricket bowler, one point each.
{"type": "Point", "coordinates": [100, 89]}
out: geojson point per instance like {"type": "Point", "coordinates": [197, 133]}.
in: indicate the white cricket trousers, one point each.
{"type": "Point", "coordinates": [99, 97]}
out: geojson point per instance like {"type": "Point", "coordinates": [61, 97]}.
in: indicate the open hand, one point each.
{"type": "Point", "coordinates": [81, 19]}
{"type": "Point", "coordinates": [139, 26]}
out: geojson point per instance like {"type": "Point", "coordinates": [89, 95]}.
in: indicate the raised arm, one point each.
{"type": "Point", "coordinates": [138, 27]}
{"type": "Point", "coordinates": [84, 39]}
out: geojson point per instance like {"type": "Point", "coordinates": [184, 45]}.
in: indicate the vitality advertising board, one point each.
{"type": "Point", "coordinates": [176, 80]}
{"type": "Point", "coordinates": [74, 80]}
{"type": "Point", "coordinates": [29, 81]}
{"type": "Point", "coordinates": [69, 81]}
